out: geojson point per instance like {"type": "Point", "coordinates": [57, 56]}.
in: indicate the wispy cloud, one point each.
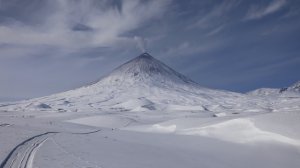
{"type": "Point", "coordinates": [212, 16]}
{"type": "Point", "coordinates": [187, 48]}
{"type": "Point", "coordinates": [257, 11]}
{"type": "Point", "coordinates": [215, 30]}
{"type": "Point", "coordinates": [81, 24]}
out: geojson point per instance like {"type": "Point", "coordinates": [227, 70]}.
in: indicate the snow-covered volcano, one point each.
{"type": "Point", "coordinates": [145, 69]}
{"type": "Point", "coordinates": [144, 84]}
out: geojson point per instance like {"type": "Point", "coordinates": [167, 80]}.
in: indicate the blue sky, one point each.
{"type": "Point", "coordinates": [49, 46]}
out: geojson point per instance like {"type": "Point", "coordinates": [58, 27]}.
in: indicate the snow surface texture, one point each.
{"type": "Point", "coordinates": [145, 114]}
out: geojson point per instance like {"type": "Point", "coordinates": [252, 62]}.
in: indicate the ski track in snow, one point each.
{"type": "Point", "coordinates": [22, 155]}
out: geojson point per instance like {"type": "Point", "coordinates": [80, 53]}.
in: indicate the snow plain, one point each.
{"type": "Point", "coordinates": [145, 115]}
{"type": "Point", "coordinates": [117, 141]}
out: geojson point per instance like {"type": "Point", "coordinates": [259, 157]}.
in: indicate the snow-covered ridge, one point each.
{"type": "Point", "coordinates": [264, 92]}
{"type": "Point", "coordinates": [293, 90]}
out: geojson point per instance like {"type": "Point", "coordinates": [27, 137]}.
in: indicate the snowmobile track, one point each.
{"type": "Point", "coordinates": [23, 154]}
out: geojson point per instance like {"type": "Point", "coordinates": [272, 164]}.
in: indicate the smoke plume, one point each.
{"type": "Point", "coordinates": [141, 43]}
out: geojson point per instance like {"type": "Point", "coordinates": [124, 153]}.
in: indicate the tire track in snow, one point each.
{"type": "Point", "coordinates": [22, 155]}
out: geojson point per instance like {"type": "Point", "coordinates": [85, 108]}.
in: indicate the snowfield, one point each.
{"type": "Point", "coordinates": [144, 114]}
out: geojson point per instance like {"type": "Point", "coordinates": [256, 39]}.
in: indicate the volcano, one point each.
{"type": "Point", "coordinates": [141, 84]}
{"type": "Point", "coordinates": [146, 69]}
